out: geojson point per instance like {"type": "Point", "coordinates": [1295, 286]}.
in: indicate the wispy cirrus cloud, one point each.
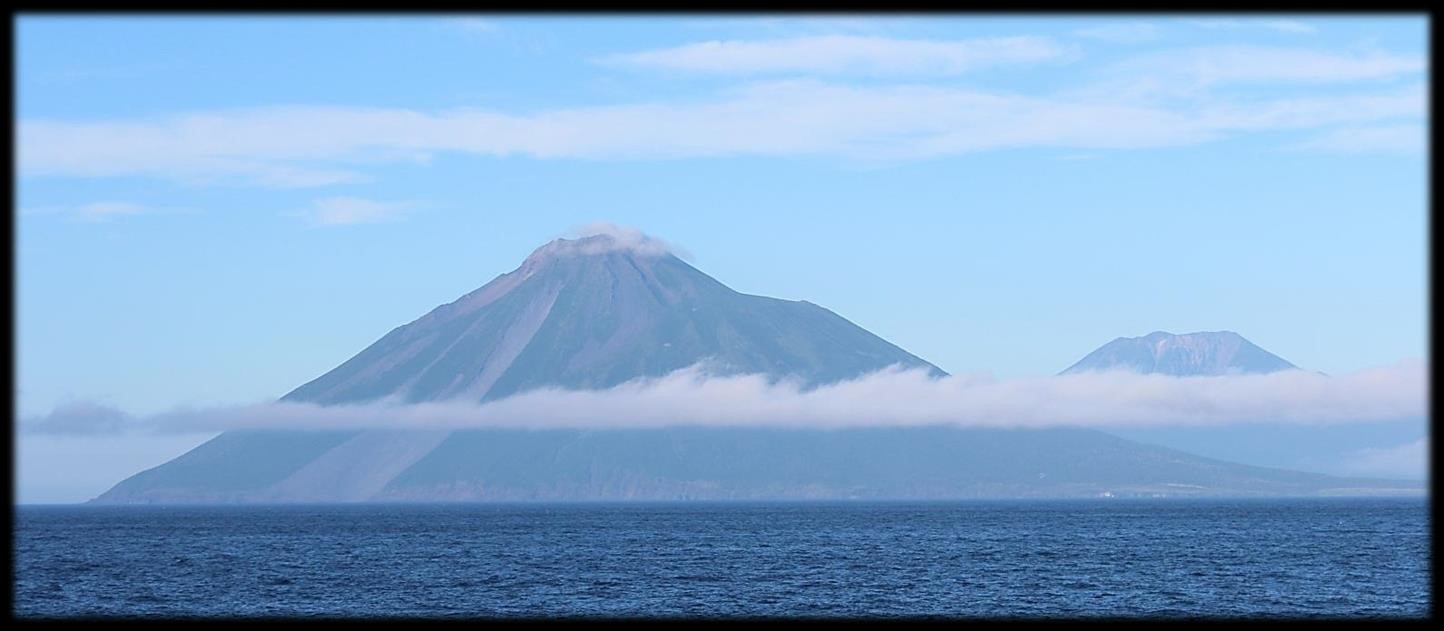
{"type": "Point", "coordinates": [1191, 72]}
{"type": "Point", "coordinates": [302, 145]}
{"type": "Point", "coordinates": [1317, 111]}
{"type": "Point", "coordinates": [886, 398]}
{"type": "Point", "coordinates": [843, 54]}
{"type": "Point", "coordinates": [103, 211]}
{"type": "Point", "coordinates": [790, 26]}
{"type": "Point", "coordinates": [1279, 25]}
{"type": "Point", "coordinates": [345, 211]}
{"type": "Point", "coordinates": [1406, 139]}
{"type": "Point", "coordinates": [474, 24]}
{"type": "Point", "coordinates": [202, 148]}
{"type": "Point", "coordinates": [1121, 32]}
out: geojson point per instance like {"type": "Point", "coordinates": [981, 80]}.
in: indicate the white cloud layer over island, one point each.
{"type": "Point", "coordinates": [885, 398]}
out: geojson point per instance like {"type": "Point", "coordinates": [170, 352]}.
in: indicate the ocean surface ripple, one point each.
{"type": "Point", "coordinates": [1110, 558]}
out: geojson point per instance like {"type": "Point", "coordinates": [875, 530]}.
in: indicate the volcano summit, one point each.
{"type": "Point", "coordinates": [606, 309]}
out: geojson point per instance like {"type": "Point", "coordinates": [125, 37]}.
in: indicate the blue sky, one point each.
{"type": "Point", "coordinates": [214, 210]}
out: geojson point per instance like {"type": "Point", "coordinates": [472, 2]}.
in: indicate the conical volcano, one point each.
{"type": "Point", "coordinates": [598, 311]}
{"type": "Point", "coordinates": [585, 313]}
{"type": "Point", "coordinates": [1206, 353]}
{"type": "Point", "coordinates": [595, 312]}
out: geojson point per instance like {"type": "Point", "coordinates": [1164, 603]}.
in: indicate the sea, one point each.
{"type": "Point", "coordinates": [1100, 558]}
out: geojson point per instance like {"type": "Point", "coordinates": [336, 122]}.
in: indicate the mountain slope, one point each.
{"type": "Point", "coordinates": [1186, 355]}
{"type": "Point", "coordinates": [585, 313]}
{"type": "Point", "coordinates": [1336, 448]}
{"type": "Point", "coordinates": [603, 310]}
{"type": "Point", "coordinates": [590, 314]}
{"type": "Point", "coordinates": [776, 463]}
{"type": "Point", "coordinates": [878, 462]}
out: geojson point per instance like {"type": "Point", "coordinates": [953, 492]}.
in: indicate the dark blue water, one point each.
{"type": "Point", "coordinates": [1060, 558]}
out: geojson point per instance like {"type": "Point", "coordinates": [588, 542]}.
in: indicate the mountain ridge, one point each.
{"type": "Point", "coordinates": [559, 318]}
{"type": "Point", "coordinates": [603, 310]}
{"type": "Point", "coordinates": [1202, 353]}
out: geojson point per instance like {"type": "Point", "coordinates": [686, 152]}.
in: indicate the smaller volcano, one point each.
{"type": "Point", "coordinates": [1187, 355]}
